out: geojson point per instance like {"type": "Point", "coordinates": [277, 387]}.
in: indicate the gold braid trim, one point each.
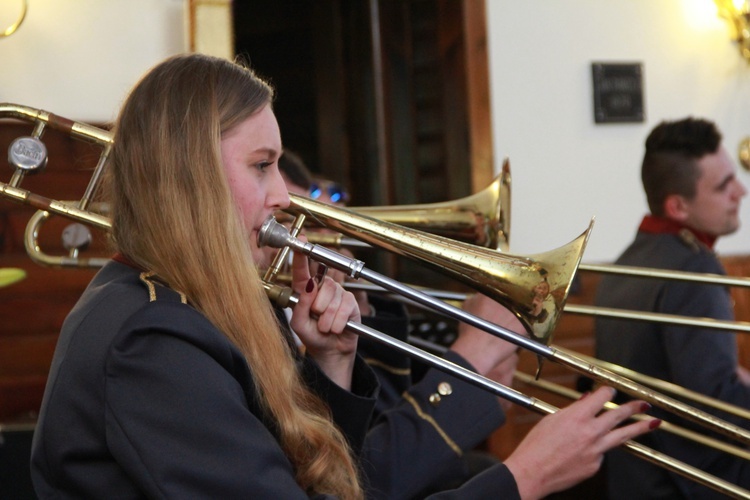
{"type": "Point", "coordinates": [151, 288]}
{"type": "Point", "coordinates": [431, 420]}
{"type": "Point", "coordinates": [387, 367]}
{"type": "Point", "coordinates": [144, 276]}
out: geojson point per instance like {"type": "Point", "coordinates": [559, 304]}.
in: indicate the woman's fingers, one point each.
{"type": "Point", "coordinates": [618, 435]}
{"type": "Point", "coordinates": [590, 405]}
{"type": "Point", "coordinates": [334, 306]}
{"type": "Point", "coordinates": [327, 303]}
{"type": "Point", "coordinates": [607, 421]}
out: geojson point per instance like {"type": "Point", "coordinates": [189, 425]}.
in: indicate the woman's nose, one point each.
{"type": "Point", "coordinates": [278, 196]}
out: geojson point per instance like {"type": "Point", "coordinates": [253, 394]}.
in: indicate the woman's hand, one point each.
{"type": "Point", "coordinates": [568, 446]}
{"type": "Point", "coordinates": [319, 319]}
{"type": "Point", "coordinates": [489, 355]}
{"type": "Point", "coordinates": [484, 350]}
{"type": "Point", "coordinates": [341, 278]}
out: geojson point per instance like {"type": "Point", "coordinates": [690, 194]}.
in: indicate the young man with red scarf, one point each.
{"type": "Point", "coordinates": [694, 197]}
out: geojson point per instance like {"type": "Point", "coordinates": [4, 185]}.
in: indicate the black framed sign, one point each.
{"type": "Point", "coordinates": [618, 92]}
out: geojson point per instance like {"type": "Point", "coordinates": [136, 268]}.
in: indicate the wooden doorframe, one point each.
{"type": "Point", "coordinates": [210, 30]}
{"type": "Point", "coordinates": [479, 94]}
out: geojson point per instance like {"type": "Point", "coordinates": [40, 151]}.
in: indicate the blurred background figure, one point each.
{"type": "Point", "coordinates": [694, 198]}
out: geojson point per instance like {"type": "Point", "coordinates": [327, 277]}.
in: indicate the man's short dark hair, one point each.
{"type": "Point", "coordinates": [670, 164]}
{"type": "Point", "coordinates": [292, 166]}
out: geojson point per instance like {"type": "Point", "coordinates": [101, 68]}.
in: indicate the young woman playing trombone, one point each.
{"type": "Point", "coordinates": [171, 377]}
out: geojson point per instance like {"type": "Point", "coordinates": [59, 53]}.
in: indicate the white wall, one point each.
{"type": "Point", "coordinates": [566, 168]}
{"type": "Point", "coordinates": [77, 58]}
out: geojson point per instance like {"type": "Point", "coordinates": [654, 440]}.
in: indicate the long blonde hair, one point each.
{"type": "Point", "coordinates": [173, 214]}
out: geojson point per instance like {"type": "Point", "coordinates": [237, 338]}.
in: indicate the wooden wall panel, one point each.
{"type": "Point", "coordinates": [740, 266]}
{"type": "Point", "coordinates": [32, 311]}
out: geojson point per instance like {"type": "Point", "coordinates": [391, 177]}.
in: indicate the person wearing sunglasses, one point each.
{"type": "Point", "coordinates": [328, 192]}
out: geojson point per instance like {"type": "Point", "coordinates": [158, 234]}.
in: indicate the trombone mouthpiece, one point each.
{"type": "Point", "coordinates": [273, 234]}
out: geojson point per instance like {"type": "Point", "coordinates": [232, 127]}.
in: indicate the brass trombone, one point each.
{"type": "Point", "coordinates": [497, 275]}
{"type": "Point", "coordinates": [276, 235]}
{"type": "Point", "coordinates": [519, 286]}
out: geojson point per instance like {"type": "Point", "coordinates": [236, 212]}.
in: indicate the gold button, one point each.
{"type": "Point", "coordinates": [435, 399]}
{"type": "Point", "coordinates": [444, 389]}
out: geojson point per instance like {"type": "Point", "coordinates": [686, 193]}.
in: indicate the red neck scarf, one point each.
{"type": "Point", "coordinates": [661, 225]}
{"type": "Point", "coordinates": [122, 259]}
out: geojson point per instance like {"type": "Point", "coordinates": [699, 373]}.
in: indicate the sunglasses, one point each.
{"type": "Point", "coordinates": [335, 191]}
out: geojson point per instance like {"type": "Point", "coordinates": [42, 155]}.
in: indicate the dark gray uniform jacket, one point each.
{"type": "Point", "coordinates": [147, 399]}
{"type": "Point", "coordinates": [702, 360]}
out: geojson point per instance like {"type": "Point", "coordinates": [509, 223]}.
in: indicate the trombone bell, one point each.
{"type": "Point", "coordinates": [482, 218]}
{"type": "Point", "coordinates": [534, 288]}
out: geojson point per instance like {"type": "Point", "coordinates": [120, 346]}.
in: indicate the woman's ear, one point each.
{"type": "Point", "coordinates": [676, 207]}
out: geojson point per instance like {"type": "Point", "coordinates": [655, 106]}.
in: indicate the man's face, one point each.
{"type": "Point", "coordinates": [715, 207]}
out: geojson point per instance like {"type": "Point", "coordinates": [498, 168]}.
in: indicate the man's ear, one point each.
{"type": "Point", "coordinates": [675, 207]}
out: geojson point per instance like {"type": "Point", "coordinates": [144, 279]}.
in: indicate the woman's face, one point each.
{"type": "Point", "coordinates": [250, 153]}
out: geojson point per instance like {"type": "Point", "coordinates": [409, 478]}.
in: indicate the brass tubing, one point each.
{"type": "Point", "coordinates": [54, 206]}
{"type": "Point", "coordinates": [649, 272]}
{"type": "Point", "coordinates": [283, 254]}
{"type": "Point", "coordinates": [664, 386]}
{"type": "Point", "coordinates": [79, 130]}
{"type": "Point", "coordinates": [34, 251]}
{"type": "Point", "coordinates": [340, 241]}
{"type": "Point", "coordinates": [14, 26]}
{"type": "Point", "coordinates": [93, 184]}
{"type": "Point", "coordinates": [630, 387]}
{"type": "Point", "coordinates": [658, 384]}
{"type": "Point", "coordinates": [672, 319]}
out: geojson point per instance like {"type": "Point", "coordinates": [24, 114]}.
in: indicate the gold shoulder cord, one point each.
{"type": "Point", "coordinates": [692, 241]}
{"type": "Point", "coordinates": [145, 278]}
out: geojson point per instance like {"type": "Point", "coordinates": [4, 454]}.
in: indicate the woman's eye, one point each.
{"type": "Point", "coordinates": [262, 166]}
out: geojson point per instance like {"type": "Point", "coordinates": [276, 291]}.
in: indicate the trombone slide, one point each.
{"type": "Point", "coordinates": [284, 297]}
